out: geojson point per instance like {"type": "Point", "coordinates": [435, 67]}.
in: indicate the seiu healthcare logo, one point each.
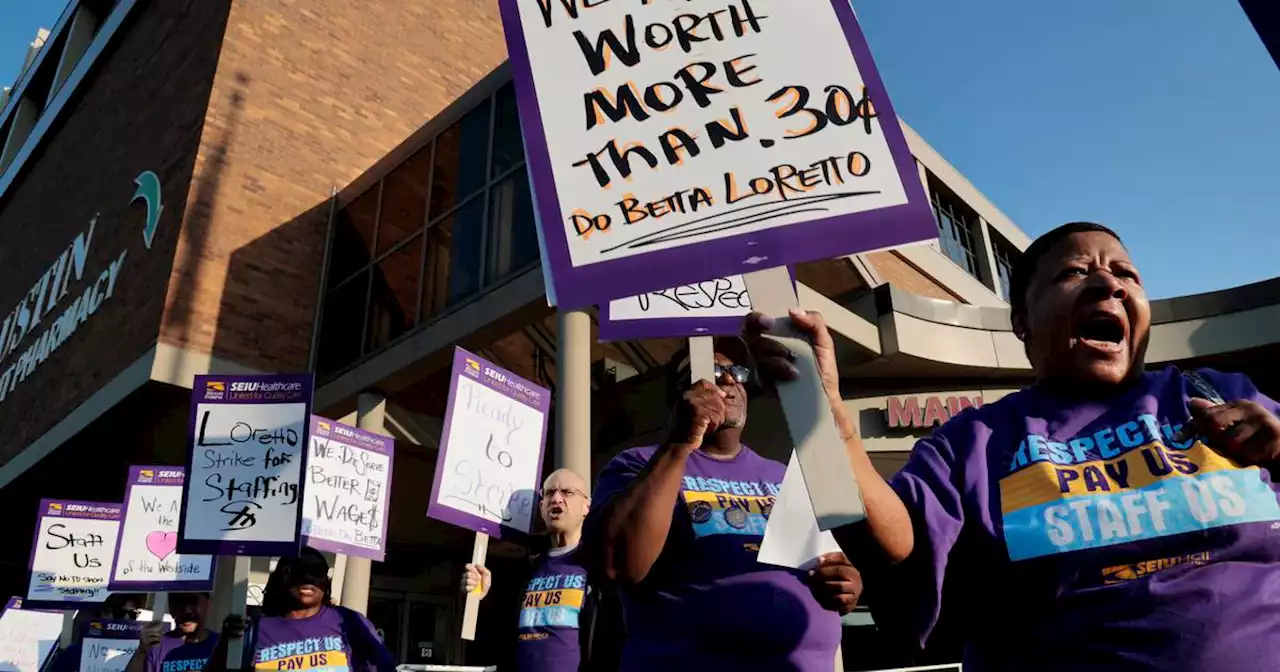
{"type": "Point", "coordinates": [54, 510]}
{"type": "Point", "coordinates": [214, 390]}
{"type": "Point", "coordinates": [472, 369]}
{"type": "Point", "coordinates": [323, 428]}
{"type": "Point", "coordinates": [146, 476]}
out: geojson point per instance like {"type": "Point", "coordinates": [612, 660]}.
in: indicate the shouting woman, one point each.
{"type": "Point", "coordinates": [1104, 518]}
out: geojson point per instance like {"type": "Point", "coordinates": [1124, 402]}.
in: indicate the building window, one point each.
{"type": "Point", "coordinates": [956, 225]}
{"type": "Point", "coordinates": [453, 220]}
{"type": "Point", "coordinates": [1005, 254]}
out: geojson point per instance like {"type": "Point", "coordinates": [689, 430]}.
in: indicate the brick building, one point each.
{"type": "Point", "coordinates": [195, 186]}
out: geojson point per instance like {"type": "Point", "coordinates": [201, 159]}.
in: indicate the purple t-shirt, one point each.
{"type": "Point", "coordinates": [707, 603]}
{"type": "Point", "coordinates": [1093, 535]}
{"type": "Point", "coordinates": [174, 654]}
{"type": "Point", "coordinates": [321, 643]}
{"type": "Point", "coordinates": [553, 600]}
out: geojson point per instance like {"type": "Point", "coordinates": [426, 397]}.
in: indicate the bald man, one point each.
{"type": "Point", "coordinates": [553, 625]}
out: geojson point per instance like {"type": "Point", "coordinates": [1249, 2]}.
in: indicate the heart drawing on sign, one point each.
{"type": "Point", "coordinates": [162, 544]}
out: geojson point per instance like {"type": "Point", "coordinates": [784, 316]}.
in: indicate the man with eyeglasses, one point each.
{"type": "Point", "coordinates": [679, 526]}
{"type": "Point", "coordinates": [552, 620]}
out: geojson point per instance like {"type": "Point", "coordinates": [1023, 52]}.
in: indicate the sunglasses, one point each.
{"type": "Point", "coordinates": [740, 374]}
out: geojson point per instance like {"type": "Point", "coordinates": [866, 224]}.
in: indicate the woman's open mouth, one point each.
{"type": "Point", "coordinates": [1103, 331]}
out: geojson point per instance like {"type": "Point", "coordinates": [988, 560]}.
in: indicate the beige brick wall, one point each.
{"type": "Point", "coordinates": [308, 95]}
{"type": "Point", "coordinates": [894, 270]}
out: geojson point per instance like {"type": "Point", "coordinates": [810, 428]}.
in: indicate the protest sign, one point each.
{"type": "Point", "coordinates": [28, 639]}
{"type": "Point", "coordinates": [248, 445]}
{"type": "Point", "coordinates": [13, 603]}
{"type": "Point", "coordinates": [668, 143]}
{"type": "Point", "coordinates": [712, 307]}
{"type": "Point", "coordinates": [490, 459]}
{"type": "Point", "coordinates": [347, 490]}
{"type": "Point", "coordinates": [491, 448]}
{"type": "Point", "coordinates": [107, 646]}
{"type": "Point", "coordinates": [72, 553]}
{"type": "Point", "coordinates": [147, 557]}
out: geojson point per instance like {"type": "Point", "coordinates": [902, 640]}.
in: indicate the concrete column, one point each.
{"type": "Point", "coordinates": [371, 414]}
{"type": "Point", "coordinates": [573, 392]}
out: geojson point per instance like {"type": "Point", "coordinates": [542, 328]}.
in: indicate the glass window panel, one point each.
{"type": "Point", "coordinates": [340, 330]}
{"type": "Point", "coordinates": [453, 258]}
{"type": "Point", "coordinates": [393, 296]}
{"type": "Point", "coordinates": [353, 232]}
{"type": "Point", "coordinates": [462, 153]}
{"type": "Point", "coordinates": [515, 241]}
{"type": "Point", "coordinates": [384, 613]}
{"type": "Point", "coordinates": [508, 152]}
{"type": "Point", "coordinates": [404, 201]}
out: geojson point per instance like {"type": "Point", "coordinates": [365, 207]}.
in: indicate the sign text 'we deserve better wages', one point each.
{"type": "Point", "coordinates": [673, 141]}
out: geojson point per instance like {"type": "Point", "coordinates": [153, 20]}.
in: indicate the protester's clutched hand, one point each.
{"type": "Point", "coordinates": [1241, 430]}
{"type": "Point", "coordinates": [477, 579]}
{"type": "Point", "coordinates": [698, 412]}
{"type": "Point", "coordinates": [836, 583]}
{"type": "Point", "coordinates": [233, 626]}
{"type": "Point", "coordinates": [151, 634]}
{"type": "Point", "coordinates": [776, 363]}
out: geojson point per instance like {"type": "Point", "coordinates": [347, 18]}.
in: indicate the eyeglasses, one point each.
{"type": "Point", "coordinates": [740, 374]}
{"type": "Point", "coordinates": [567, 493]}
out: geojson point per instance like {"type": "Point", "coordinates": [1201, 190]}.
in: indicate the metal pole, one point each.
{"type": "Point", "coordinates": [324, 280]}
{"type": "Point", "coordinates": [573, 389]}
{"type": "Point", "coordinates": [371, 415]}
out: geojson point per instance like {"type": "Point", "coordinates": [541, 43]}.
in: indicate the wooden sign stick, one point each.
{"type": "Point", "coordinates": [235, 581]}
{"type": "Point", "coordinates": [702, 358]}
{"type": "Point", "coordinates": [472, 610]}
{"type": "Point", "coordinates": [837, 500]}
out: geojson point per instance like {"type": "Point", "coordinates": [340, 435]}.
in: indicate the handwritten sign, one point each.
{"type": "Point", "coordinates": [107, 646]}
{"type": "Point", "coordinates": [248, 446]}
{"type": "Point", "coordinates": [491, 448]}
{"type": "Point", "coordinates": [147, 557]}
{"type": "Point", "coordinates": [72, 553]}
{"type": "Point", "coordinates": [671, 142]}
{"type": "Point", "coordinates": [28, 638]}
{"type": "Point", "coordinates": [709, 308]}
{"type": "Point", "coordinates": [347, 490]}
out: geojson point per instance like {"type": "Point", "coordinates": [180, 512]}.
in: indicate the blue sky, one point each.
{"type": "Point", "coordinates": [1156, 117]}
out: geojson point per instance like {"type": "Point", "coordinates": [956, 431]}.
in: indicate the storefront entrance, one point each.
{"type": "Point", "coordinates": [414, 626]}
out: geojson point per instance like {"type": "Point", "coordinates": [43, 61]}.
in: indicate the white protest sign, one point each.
{"type": "Point", "coordinates": [27, 639]}
{"type": "Point", "coordinates": [347, 493]}
{"type": "Point", "coordinates": [248, 444]}
{"type": "Point", "coordinates": [72, 553]}
{"type": "Point", "coordinates": [107, 646]}
{"type": "Point", "coordinates": [491, 449]}
{"type": "Point", "coordinates": [671, 143]}
{"type": "Point", "coordinates": [148, 558]}
{"type": "Point", "coordinates": [791, 537]}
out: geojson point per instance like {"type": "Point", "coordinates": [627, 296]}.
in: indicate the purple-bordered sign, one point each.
{"type": "Point", "coordinates": [107, 646]}
{"type": "Point", "coordinates": [491, 448]}
{"type": "Point", "coordinates": [147, 557]}
{"type": "Point", "coordinates": [347, 490]}
{"type": "Point", "coordinates": [13, 603]}
{"type": "Point", "coordinates": [670, 157]}
{"type": "Point", "coordinates": [253, 430]}
{"type": "Point", "coordinates": [71, 553]}
{"type": "Point", "coordinates": [708, 308]}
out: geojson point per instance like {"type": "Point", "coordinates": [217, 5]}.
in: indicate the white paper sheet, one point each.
{"type": "Point", "coordinates": [792, 538]}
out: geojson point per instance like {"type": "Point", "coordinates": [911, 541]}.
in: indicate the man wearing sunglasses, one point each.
{"type": "Point", "coordinates": [679, 526]}
{"type": "Point", "coordinates": [553, 628]}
